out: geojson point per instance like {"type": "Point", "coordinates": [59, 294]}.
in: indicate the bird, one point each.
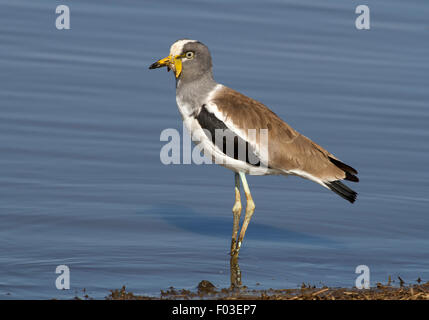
{"type": "Point", "coordinates": [253, 139]}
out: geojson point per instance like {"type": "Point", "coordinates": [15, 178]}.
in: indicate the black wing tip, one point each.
{"type": "Point", "coordinates": [351, 177]}
{"type": "Point", "coordinates": [342, 190]}
{"type": "Point", "coordinates": [343, 166]}
{"type": "Point", "coordinates": [349, 171]}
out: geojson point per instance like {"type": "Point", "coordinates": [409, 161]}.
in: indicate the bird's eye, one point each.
{"type": "Point", "coordinates": [189, 54]}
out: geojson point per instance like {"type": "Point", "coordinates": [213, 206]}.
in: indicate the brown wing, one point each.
{"type": "Point", "coordinates": [288, 150]}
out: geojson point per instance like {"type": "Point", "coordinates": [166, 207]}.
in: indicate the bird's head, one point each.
{"type": "Point", "coordinates": [188, 59]}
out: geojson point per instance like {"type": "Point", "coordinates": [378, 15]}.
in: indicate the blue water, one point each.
{"type": "Point", "coordinates": [82, 184]}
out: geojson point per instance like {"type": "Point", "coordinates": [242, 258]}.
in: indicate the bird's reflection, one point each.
{"type": "Point", "coordinates": [189, 220]}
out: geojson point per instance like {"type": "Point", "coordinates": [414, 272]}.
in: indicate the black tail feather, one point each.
{"type": "Point", "coordinates": [342, 190]}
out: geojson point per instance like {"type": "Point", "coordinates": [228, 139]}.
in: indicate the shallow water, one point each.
{"type": "Point", "coordinates": [81, 182]}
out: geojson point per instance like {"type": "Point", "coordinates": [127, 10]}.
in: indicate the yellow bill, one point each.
{"type": "Point", "coordinates": [174, 63]}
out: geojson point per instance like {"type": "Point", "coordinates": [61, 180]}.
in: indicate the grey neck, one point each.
{"type": "Point", "coordinates": [195, 92]}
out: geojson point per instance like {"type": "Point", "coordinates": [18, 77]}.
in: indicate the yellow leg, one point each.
{"type": "Point", "coordinates": [250, 208]}
{"type": "Point", "coordinates": [236, 210]}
